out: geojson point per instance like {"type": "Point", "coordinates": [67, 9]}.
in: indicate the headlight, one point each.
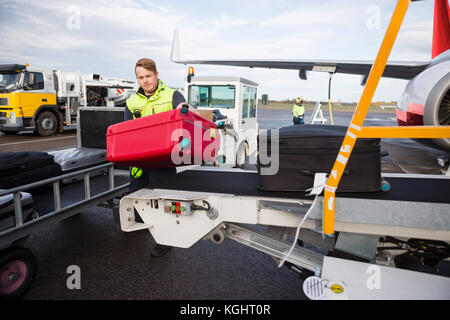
{"type": "Point", "coordinates": [12, 117]}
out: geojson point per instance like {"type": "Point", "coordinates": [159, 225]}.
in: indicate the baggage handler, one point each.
{"type": "Point", "coordinates": [298, 111]}
{"type": "Point", "coordinates": [153, 96]}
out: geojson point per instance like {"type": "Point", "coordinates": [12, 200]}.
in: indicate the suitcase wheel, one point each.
{"type": "Point", "coordinates": [385, 186]}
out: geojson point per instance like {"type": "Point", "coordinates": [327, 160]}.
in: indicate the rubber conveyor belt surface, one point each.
{"type": "Point", "coordinates": [244, 184]}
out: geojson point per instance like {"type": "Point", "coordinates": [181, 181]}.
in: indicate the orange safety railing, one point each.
{"type": "Point", "coordinates": [356, 130]}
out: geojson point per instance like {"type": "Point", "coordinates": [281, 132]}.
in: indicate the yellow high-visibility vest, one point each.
{"type": "Point", "coordinates": [298, 110]}
{"type": "Point", "coordinates": [160, 101]}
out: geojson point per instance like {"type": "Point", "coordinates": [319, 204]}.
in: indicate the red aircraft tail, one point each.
{"type": "Point", "coordinates": [441, 28]}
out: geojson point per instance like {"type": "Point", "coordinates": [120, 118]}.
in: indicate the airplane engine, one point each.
{"type": "Point", "coordinates": [426, 101]}
{"type": "Point", "coordinates": [437, 108]}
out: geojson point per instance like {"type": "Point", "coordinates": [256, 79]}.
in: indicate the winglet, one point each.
{"type": "Point", "coordinates": [175, 53]}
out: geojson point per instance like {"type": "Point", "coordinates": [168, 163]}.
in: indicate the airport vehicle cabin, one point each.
{"type": "Point", "coordinates": [234, 101]}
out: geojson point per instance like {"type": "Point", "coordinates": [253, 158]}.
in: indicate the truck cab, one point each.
{"type": "Point", "coordinates": [233, 101]}
{"type": "Point", "coordinates": [24, 94]}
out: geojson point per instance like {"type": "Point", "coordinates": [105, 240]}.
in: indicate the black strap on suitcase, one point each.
{"type": "Point", "coordinates": [306, 150]}
{"type": "Point", "coordinates": [12, 163]}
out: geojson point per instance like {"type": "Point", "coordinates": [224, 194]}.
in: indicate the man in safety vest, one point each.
{"type": "Point", "coordinates": [153, 96]}
{"type": "Point", "coordinates": [298, 111]}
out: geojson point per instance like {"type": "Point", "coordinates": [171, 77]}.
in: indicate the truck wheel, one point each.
{"type": "Point", "coordinates": [46, 124]}
{"type": "Point", "coordinates": [17, 271]}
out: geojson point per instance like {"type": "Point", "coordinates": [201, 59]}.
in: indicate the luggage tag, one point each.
{"type": "Point", "coordinates": [320, 179]}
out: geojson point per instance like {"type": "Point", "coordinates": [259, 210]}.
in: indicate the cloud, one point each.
{"type": "Point", "coordinates": [414, 40]}
{"type": "Point", "coordinates": [226, 21]}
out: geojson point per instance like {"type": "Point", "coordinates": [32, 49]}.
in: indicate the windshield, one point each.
{"type": "Point", "coordinates": [9, 81]}
{"type": "Point", "coordinates": [212, 96]}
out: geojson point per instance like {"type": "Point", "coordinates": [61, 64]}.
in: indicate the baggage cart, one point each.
{"type": "Point", "coordinates": [17, 264]}
{"type": "Point", "coordinates": [55, 200]}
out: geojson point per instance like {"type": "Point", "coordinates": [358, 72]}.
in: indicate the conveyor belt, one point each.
{"type": "Point", "coordinates": [72, 193]}
{"type": "Point", "coordinates": [244, 184]}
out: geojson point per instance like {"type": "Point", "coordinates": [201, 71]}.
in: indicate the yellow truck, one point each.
{"type": "Point", "coordinates": [47, 100]}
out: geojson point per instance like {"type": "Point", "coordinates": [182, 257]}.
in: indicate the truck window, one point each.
{"type": "Point", "coordinates": [245, 102]}
{"type": "Point", "coordinates": [249, 102]}
{"type": "Point", "coordinates": [219, 96]}
{"type": "Point", "coordinates": [33, 81]}
{"type": "Point", "coordinates": [252, 111]}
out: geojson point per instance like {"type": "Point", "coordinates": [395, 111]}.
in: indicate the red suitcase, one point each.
{"type": "Point", "coordinates": [167, 139]}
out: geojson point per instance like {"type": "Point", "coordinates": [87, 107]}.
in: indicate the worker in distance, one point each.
{"type": "Point", "coordinates": [298, 111]}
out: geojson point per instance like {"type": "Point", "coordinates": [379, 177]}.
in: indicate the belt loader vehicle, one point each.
{"type": "Point", "coordinates": [371, 245]}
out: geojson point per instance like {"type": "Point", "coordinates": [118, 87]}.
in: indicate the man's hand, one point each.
{"type": "Point", "coordinates": [184, 108]}
{"type": "Point", "coordinates": [181, 104]}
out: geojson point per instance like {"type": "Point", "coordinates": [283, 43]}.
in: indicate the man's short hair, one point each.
{"type": "Point", "coordinates": [146, 63]}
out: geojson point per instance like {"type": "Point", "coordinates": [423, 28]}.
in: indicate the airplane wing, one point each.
{"type": "Point", "coordinates": [400, 70]}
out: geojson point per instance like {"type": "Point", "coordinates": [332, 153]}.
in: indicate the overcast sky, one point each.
{"type": "Point", "coordinates": [108, 37]}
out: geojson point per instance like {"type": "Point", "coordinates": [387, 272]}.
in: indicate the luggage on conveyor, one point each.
{"type": "Point", "coordinates": [20, 168]}
{"type": "Point", "coordinates": [7, 215]}
{"type": "Point", "coordinates": [12, 162]}
{"type": "Point", "coordinates": [309, 149]}
{"type": "Point", "coordinates": [74, 159]}
{"type": "Point", "coordinates": [167, 139]}
{"type": "Point", "coordinates": [21, 177]}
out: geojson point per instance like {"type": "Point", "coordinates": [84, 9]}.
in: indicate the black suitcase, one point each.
{"type": "Point", "coordinates": [307, 149]}
{"type": "Point", "coordinates": [22, 177]}
{"type": "Point", "coordinates": [14, 162]}
{"type": "Point", "coordinates": [74, 159]}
